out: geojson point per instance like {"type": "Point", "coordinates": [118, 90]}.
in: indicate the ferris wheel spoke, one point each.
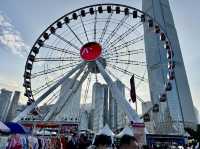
{"type": "Point", "coordinates": [83, 25]}
{"type": "Point", "coordinates": [122, 61]}
{"type": "Point", "coordinates": [112, 34]}
{"type": "Point", "coordinates": [95, 25]}
{"type": "Point", "coordinates": [124, 45]}
{"type": "Point", "coordinates": [46, 85]}
{"type": "Point", "coordinates": [66, 41]}
{"type": "Point", "coordinates": [125, 34]}
{"type": "Point", "coordinates": [54, 69]}
{"type": "Point", "coordinates": [57, 59]}
{"type": "Point", "coordinates": [42, 88]}
{"type": "Point", "coordinates": [28, 109]}
{"type": "Point", "coordinates": [52, 98]}
{"type": "Point", "coordinates": [105, 27]}
{"type": "Point", "coordinates": [127, 72]}
{"type": "Point", "coordinates": [74, 34]}
{"type": "Point", "coordinates": [126, 53]}
{"type": "Point", "coordinates": [60, 49]}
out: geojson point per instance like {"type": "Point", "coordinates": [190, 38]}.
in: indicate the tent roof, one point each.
{"type": "Point", "coordinates": [17, 128]}
{"type": "Point", "coordinates": [126, 131]}
{"type": "Point", "coordinates": [3, 127]}
{"type": "Point", "coordinates": [106, 131]}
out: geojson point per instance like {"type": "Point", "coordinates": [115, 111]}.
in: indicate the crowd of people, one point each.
{"type": "Point", "coordinates": [101, 141]}
{"type": "Point", "coordinates": [104, 139]}
{"type": "Point", "coordinates": [81, 141]}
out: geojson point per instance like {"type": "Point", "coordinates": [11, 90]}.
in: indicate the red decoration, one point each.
{"type": "Point", "coordinates": [91, 51]}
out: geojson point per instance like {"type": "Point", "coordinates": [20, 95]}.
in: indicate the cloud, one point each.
{"type": "Point", "coordinates": [10, 84]}
{"type": "Point", "coordinates": [11, 38]}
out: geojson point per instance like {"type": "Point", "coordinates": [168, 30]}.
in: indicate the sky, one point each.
{"type": "Point", "coordinates": [22, 21]}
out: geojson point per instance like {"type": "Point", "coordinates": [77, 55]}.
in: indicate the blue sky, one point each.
{"type": "Point", "coordinates": [25, 20]}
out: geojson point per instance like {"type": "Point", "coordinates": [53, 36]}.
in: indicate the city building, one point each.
{"type": "Point", "coordinates": [9, 104]}
{"type": "Point", "coordinates": [13, 106]}
{"type": "Point", "coordinates": [5, 100]}
{"type": "Point", "coordinates": [117, 117]}
{"type": "Point", "coordinates": [99, 106]}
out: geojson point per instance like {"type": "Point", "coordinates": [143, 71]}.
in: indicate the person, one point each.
{"type": "Point", "coordinates": [101, 142]}
{"type": "Point", "coordinates": [73, 142]}
{"type": "Point", "coordinates": [128, 142]}
{"type": "Point", "coordinates": [83, 142]}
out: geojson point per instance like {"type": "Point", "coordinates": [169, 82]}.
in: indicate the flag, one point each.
{"type": "Point", "coordinates": [132, 91]}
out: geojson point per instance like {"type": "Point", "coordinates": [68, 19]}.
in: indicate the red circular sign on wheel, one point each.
{"type": "Point", "coordinates": [91, 51]}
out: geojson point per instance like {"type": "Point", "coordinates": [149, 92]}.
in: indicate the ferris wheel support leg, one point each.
{"type": "Point", "coordinates": [131, 113]}
{"type": "Point", "coordinates": [43, 96]}
{"type": "Point", "coordinates": [73, 90]}
{"type": "Point", "coordinates": [65, 97]}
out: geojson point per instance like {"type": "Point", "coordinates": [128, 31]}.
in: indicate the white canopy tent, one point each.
{"type": "Point", "coordinates": [126, 131]}
{"type": "Point", "coordinates": [106, 131]}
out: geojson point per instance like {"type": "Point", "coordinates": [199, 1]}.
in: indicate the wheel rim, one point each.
{"type": "Point", "coordinates": [118, 32]}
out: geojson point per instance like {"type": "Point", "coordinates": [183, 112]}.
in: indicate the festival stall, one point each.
{"type": "Point", "coordinates": [105, 131]}
{"type": "Point", "coordinates": [134, 129]}
{"type": "Point", "coordinates": [36, 135]}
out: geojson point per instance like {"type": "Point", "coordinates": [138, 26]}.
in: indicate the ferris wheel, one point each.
{"type": "Point", "coordinates": [96, 43]}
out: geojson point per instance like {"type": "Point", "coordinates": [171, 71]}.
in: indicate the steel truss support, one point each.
{"type": "Point", "coordinates": [43, 96]}
{"type": "Point", "coordinates": [131, 113]}
{"type": "Point", "coordinates": [65, 97]}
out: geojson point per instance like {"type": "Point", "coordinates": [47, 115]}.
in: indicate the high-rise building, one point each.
{"type": "Point", "coordinates": [13, 106]}
{"type": "Point", "coordinates": [5, 100]}
{"type": "Point", "coordinates": [99, 106]}
{"type": "Point", "coordinates": [179, 103]}
{"type": "Point", "coordinates": [117, 116]}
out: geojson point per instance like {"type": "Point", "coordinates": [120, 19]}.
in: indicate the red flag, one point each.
{"type": "Point", "coordinates": [132, 91]}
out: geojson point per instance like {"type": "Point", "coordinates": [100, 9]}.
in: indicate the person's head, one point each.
{"type": "Point", "coordinates": [83, 138]}
{"type": "Point", "coordinates": [128, 142]}
{"type": "Point", "coordinates": [102, 141]}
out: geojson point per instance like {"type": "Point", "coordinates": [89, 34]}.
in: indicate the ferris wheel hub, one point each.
{"type": "Point", "coordinates": [93, 68]}
{"type": "Point", "coordinates": [91, 51]}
